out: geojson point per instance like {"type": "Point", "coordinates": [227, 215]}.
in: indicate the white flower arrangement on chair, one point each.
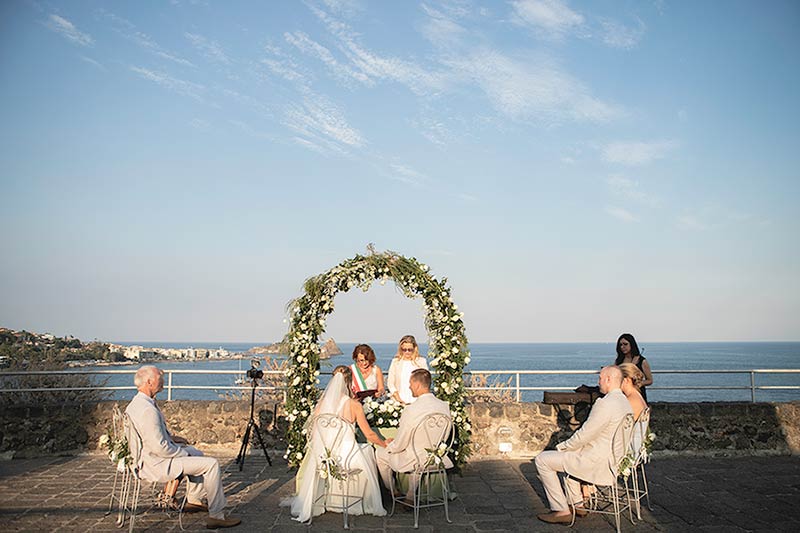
{"type": "Point", "coordinates": [328, 465]}
{"type": "Point", "coordinates": [116, 449]}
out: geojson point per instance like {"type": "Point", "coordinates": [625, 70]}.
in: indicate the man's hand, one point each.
{"type": "Point", "coordinates": [388, 441]}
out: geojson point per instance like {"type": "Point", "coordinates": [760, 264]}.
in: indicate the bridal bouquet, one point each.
{"type": "Point", "coordinates": [383, 413]}
{"type": "Point", "coordinates": [117, 449]}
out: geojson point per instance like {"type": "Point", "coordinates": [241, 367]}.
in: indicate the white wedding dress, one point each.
{"type": "Point", "coordinates": [350, 454]}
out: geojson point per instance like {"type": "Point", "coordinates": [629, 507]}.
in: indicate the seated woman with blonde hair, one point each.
{"type": "Point", "coordinates": [632, 379]}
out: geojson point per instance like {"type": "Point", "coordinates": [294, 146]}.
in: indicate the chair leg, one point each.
{"type": "Point", "coordinates": [124, 492]}
{"type": "Point", "coordinates": [417, 496]}
{"type": "Point", "coordinates": [646, 489]}
{"type": "Point", "coordinates": [113, 492]}
{"type": "Point", "coordinates": [135, 503]}
{"type": "Point", "coordinates": [446, 495]}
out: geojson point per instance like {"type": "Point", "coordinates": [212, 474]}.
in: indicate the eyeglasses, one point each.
{"type": "Point", "coordinates": [406, 349]}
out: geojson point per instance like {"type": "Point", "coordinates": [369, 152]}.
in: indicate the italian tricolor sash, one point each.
{"type": "Point", "coordinates": [359, 384]}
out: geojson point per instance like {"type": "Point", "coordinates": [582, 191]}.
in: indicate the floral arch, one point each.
{"type": "Point", "coordinates": [447, 353]}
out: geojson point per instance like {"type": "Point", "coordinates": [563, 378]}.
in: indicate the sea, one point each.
{"type": "Point", "coordinates": [691, 384]}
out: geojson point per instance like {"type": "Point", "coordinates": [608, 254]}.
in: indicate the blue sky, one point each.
{"type": "Point", "coordinates": [175, 170]}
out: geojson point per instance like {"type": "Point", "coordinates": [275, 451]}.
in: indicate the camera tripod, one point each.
{"type": "Point", "coordinates": [251, 426]}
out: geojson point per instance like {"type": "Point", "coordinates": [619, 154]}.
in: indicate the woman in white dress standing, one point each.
{"type": "Point", "coordinates": [337, 400]}
{"type": "Point", "coordinates": [404, 363]}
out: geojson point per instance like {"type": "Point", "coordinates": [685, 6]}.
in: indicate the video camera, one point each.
{"type": "Point", "coordinates": [255, 372]}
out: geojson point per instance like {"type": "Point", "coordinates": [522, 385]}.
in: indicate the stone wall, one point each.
{"type": "Point", "coordinates": [681, 428]}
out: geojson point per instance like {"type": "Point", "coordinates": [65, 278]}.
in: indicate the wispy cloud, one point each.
{"type": "Point", "coordinates": [93, 62]}
{"type": "Point", "coordinates": [630, 191]}
{"type": "Point", "coordinates": [408, 175]}
{"type": "Point", "coordinates": [617, 35]}
{"type": "Point", "coordinates": [433, 129]}
{"type": "Point", "coordinates": [637, 153]}
{"type": "Point", "coordinates": [621, 214]}
{"type": "Point", "coordinates": [535, 88]}
{"type": "Point", "coordinates": [66, 28]}
{"type": "Point", "coordinates": [321, 122]}
{"type": "Point", "coordinates": [147, 42]}
{"type": "Point", "coordinates": [376, 66]}
{"type": "Point", "coordinates": [440, 28]}
{"type": "Point", "coordinates": [182, 87]}
{"type": "Point", "coordinates": [551, 19]}
{"type": "Point", "coordinates": [128, 30]}
{"type": "Point", "coordinates": [211, 49]}
{"type": "Point", "coordinates": [305, 44]}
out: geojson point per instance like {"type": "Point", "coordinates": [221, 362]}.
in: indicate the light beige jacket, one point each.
{"type": "Point", "coordinates": [401, 452]}
{"type": "Point", "coordinates": [588, 450]}
{"type": "Point", "coordinates": [156, 450]}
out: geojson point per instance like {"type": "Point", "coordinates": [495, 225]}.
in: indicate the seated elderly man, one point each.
{"type": "Point", "coordinates": [163, 459]}
{"type": "Point", "coordinates": [585, 455]}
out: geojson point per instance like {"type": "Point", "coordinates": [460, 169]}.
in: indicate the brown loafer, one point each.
{"type": "Point", "coordinates": [217, 523]}
{"type": "Point", "coordinates": [190, 507]}
{"type": "Point", "coordinates": [580, 511]}
{"type": "Point", "coordinates": [555, 518]}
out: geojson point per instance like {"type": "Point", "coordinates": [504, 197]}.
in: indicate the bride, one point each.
{"type": "Point", "coordinates": [337, 400]}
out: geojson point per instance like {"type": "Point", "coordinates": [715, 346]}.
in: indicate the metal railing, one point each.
{"type": "Point", "coordinates": [752, 387]}
{"type": "Point", "coordinates": [514, 375]}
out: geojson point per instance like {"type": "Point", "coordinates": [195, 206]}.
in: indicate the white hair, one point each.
{"type": "Point", "coordinates": [144, 373]}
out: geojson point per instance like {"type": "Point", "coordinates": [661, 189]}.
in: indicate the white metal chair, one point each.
{"type": "Point", "coordinates": [132, 482]}
{"type": "Point", "coordinates": [428, 478]}
{"type": "Point", "coordinates": [121, 476]}
{"type": "Point", "coordinates": [607, 499]}
{"type": "Point", "coordinates": [640, 490]}
{"type": "Point", "coordinates": [335, 434]}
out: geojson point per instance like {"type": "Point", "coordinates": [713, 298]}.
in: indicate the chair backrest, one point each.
{"type": "Point", "coordinates": [135, 445]}
{"type": "Point", "coordinates": [621, 442]}
{"type": "Point", "coordinates": [434, 430]}
{"type": "Point", "coordinates": [117, 423]}
{"type": "Point", "coordinates": [640, 430]}
{"type": "Point", "coordinates": [329, 434]}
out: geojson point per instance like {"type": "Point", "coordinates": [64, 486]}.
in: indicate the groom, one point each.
{"type": "Point", "coordinates": [399, 454]}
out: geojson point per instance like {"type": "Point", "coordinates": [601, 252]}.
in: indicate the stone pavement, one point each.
{"type": "Point", "coordinates": [696, 494]}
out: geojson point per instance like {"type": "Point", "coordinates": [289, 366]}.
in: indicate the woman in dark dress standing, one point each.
{"type": "Point", "coordinates": [628, 352]}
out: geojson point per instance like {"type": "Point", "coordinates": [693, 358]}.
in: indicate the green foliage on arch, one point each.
{"type": "Point", "coordinates": [448, 353]}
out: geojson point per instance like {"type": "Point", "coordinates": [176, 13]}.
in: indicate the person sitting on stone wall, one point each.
{"type": "Point", "coordinates": [164, 457]}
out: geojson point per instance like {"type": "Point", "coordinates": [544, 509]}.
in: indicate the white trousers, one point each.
{"type": "Point", "coordinates": [548, 465]}
{"type": "Point", "coordinates": [204, 479]}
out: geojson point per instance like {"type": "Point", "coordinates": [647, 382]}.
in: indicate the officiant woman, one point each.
{"type": "Point", "coordinates": [366, 374]}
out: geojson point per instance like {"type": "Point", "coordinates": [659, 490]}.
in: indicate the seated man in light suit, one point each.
{"type": "Point", "coordinates": [586, 454]}
{"type": "Point", "coordinates": [398, 455]}
{"type": "Point", "coordinates": [162, 459]}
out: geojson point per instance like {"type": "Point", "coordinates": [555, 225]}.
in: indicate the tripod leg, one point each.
{"type": "Point", "coordinates": [261, 442]}
{"type": "Point", "coordinates": [243, 449]}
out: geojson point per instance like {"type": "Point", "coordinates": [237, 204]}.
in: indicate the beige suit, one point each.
{"type": "Point", "coordinates": [162, 460]}
{"type": "Point", "coordinates": [586, 454]}
{"type": "Point", "coordinates": [400, 455]}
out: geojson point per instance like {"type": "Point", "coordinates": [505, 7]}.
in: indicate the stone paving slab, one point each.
{"type": "Point", "coordinates": [688, 494]}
